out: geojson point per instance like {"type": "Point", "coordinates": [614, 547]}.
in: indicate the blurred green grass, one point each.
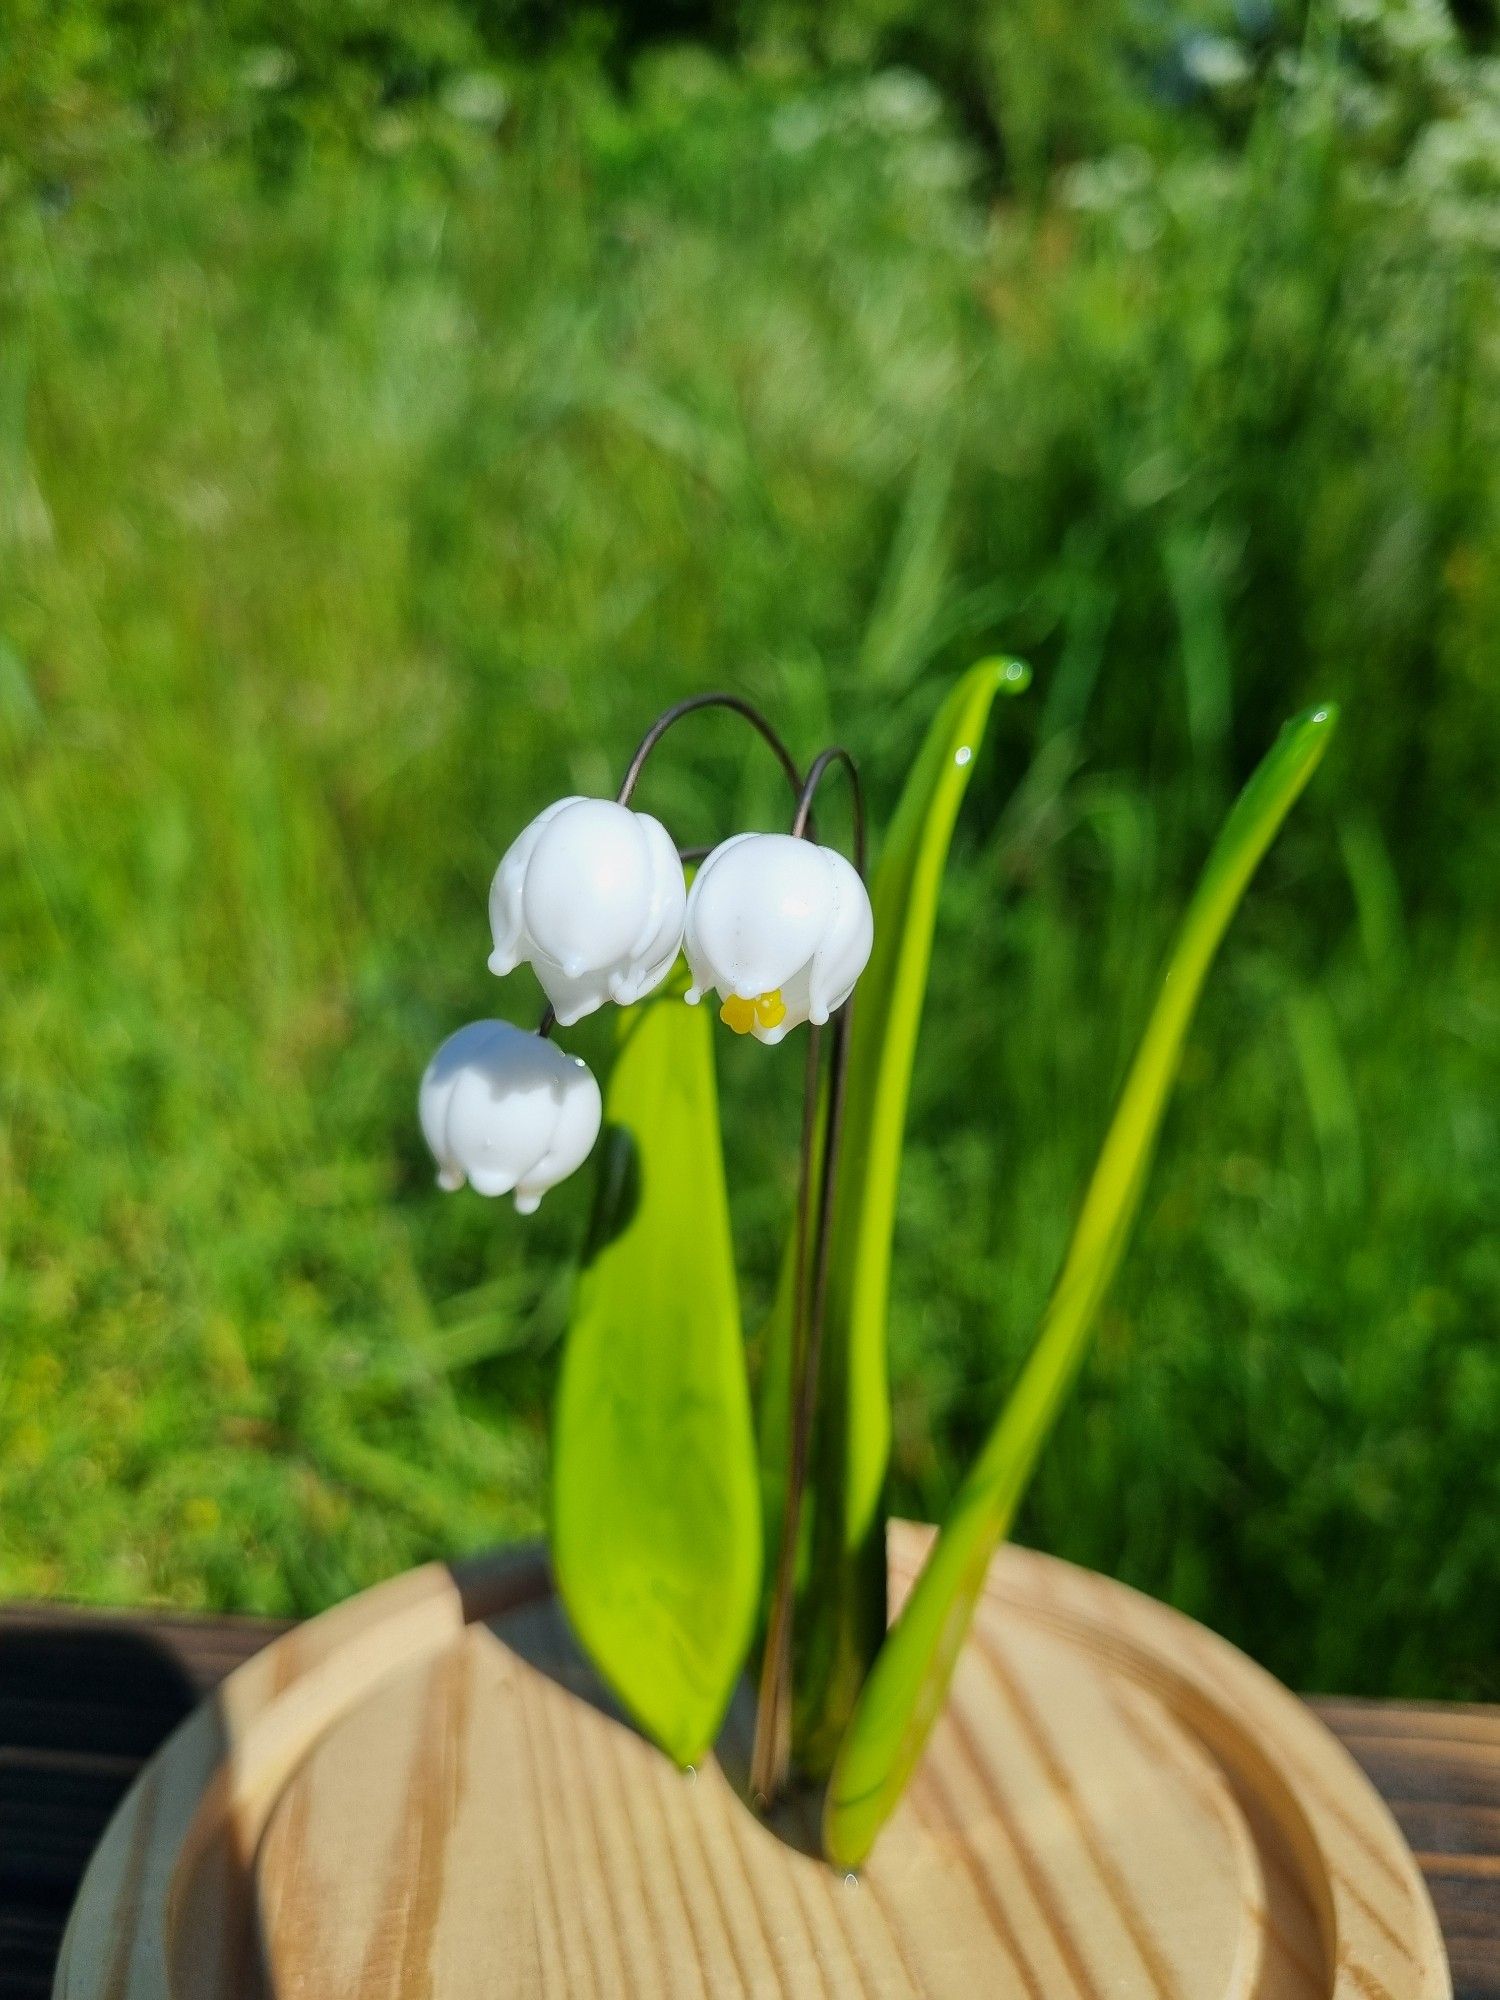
{"type": "Point", "coordinates": [369, 475]}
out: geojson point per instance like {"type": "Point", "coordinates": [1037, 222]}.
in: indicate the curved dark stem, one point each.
{"type": "Point", "coordinates": [770, 1762]}
{"type": "Point", "coordinates": [821, 765]}
{"type": "Point", "coordinates": [678, 710]}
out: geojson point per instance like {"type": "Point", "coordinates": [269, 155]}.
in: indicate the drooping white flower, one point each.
{"type": "Point", "coordinates": [592, 895]}
{"type": "Point", "coordinates": [505, 1110]}
{"type": "Point", "coordinates": [781, 928]}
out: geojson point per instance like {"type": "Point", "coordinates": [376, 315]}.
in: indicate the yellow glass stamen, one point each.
{"type": "Point", "coordinates": [744, 1016]}
{"type": "Point", "coordinates": [770, 1011]}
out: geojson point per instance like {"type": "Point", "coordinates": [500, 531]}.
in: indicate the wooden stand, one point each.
{"type": "Point", "coordinates": [423, 1795]}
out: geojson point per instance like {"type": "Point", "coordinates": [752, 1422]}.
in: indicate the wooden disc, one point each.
{"type": "Point", "coordinates": [423, 1795]}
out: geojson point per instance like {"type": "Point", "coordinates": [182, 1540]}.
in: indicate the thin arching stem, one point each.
{"type": "Point", "coordinates": [822, 764]}
{"type": "Point", "coordinates": [770, 1761]}
{"type": "Point", "coordinates": [737, 706]}
{"type": "Point", "coordinates": [678, 710]}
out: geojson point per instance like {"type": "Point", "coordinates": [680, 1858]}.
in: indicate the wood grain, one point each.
{"type": "Point", "coordinates": [1438, 1768]}
{"type": "Point", "coordinates": [669, 1886]}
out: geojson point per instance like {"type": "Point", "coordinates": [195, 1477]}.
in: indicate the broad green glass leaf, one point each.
{"type": "Point", "coordinates": [655, 1510]}
{"type": "Point", "coordinates": [842, 1616]}
{"type": "Point", "coordinates": [909, 1682]}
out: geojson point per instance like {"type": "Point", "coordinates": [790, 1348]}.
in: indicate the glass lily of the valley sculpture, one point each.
{"type": "Point", "coordinates": [664, 1497]}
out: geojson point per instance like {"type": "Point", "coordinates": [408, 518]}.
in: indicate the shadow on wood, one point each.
{"type": "Point", "coordinates": [82, 1705]}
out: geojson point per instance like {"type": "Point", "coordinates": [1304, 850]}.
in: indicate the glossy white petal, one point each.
{"type": "Point", "coordinates": [506, 1111]}
{"type": "Point", "coordinates": [592, 896]}
{"type": "Point", "coordinates": [780, 928]}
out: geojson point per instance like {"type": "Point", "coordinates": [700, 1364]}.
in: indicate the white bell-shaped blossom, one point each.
{"type": "Point", "coordinates": [781, 928]}
{"type": "Point", "coordinates": [507, 1111]}
{"type": "Point", "coordinates": [592, 895]}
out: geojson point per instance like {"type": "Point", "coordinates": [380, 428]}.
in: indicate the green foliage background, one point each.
{"type": "Point", "coordinates": [397, 406]}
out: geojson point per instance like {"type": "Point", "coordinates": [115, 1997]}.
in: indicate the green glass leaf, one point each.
{"type": "Point", "coordinates": [909, 1682]}
{"type": "Point", "coordinates": [841, 1619]}
{"type": "Point", "coordinates": [655, 1510]}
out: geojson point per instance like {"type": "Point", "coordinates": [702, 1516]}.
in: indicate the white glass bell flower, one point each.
{"type": "Point", "coordinates": [507, 1112]}
{"type": "Point", "coordinates": [780, 928]}
{"type": "Point", "coordinates": [592, 896]}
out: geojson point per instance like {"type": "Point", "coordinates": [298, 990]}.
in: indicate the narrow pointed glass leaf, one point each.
{"type": "Point", "coordinates": [655, 1510]}
{"type": "Point", "coordinates": [909, 1682]}
{"type": "Point", "coordinates": [842, 1617]}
